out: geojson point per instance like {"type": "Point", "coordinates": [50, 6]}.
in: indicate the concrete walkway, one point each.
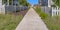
{"type": "Point", "coordinates": [31, 21]}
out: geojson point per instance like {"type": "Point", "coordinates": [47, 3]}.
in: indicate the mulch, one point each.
{"type": "Point", "coordinates": [23, 12]}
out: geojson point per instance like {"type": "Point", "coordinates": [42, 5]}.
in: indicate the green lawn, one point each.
{"type": "Point", "coordinates": [53, 23]}
{"type": "Point", "coordinates": [9, 22]}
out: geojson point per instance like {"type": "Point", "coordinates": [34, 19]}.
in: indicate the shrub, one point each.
{"type": "Point", "coordinates": [41, 14]}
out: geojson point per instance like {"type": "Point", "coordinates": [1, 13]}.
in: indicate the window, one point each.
{"type": "Point", "coordinates": [44, 2]}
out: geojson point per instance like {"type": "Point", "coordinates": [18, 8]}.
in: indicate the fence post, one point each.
{"type": "Point", "coordinates": [7, 2]}
{"type": "Point", "coordinates": [52, 11]}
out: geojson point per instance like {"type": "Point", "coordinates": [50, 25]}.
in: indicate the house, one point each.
{"type": "Point", "coordinates": [47, 3]}
{"type": "Point", "coordinates": [46, 7]}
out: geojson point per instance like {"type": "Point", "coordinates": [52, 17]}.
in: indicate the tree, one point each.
{"type": "Point", "coordinates": [57, 2]}
{"type": "Point", "coordinates": [4, 1]}
{"type": "Point", "coordinates": [23, 2]}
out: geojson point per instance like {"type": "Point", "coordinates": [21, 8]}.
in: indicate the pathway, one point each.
{"type": "Point", "coordinates": [31, 21]}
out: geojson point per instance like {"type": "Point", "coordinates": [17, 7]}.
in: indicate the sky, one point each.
{"type": "Point", "coordinates": [32, 2]}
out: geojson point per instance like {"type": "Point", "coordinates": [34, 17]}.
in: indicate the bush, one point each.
{"type": "Point", "coordinates": [41, 14]}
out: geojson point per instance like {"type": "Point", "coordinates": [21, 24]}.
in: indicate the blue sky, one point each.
{"type": "Point", "coordinates": [32, 2]}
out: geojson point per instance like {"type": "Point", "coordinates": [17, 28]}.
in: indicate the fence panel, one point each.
{"type": "Point", "coordinates": [12, 8]}
{"type": "Point", "coordinates": [55, 11]}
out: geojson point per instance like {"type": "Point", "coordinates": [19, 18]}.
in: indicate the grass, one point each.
{"type": "Point", "coordinates": [9, 22]}
{"type": "Point", "coordinates": [53, 23]}
{"type": "Point", "coordinates": [41, 14]}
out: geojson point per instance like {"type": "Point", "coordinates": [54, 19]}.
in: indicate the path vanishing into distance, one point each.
{"type": "Point", "coordinates": [31, 21]}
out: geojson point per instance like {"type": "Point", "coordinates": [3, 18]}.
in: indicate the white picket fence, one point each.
{"type": "Point", "coordinates": [55, 11]}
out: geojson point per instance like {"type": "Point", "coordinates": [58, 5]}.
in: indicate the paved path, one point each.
{"type": "Point", "coordinates": [31, 21]}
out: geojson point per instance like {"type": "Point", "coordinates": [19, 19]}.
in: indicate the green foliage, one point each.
{"type": "Point", "coordinates": [10, 2]}
{"type": "Point", "coordinates": [41, 14]}
{"type": "Point", "coordinates": [53, 23]}
{"type": "Point", "coordinates": [4, 1]}
{"type": "Point", "coordinates": [9, 22]}
{"type": "Point", "coordinates": [57, 2]}
{"type": "Point", "coordinates": [23, 2]}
